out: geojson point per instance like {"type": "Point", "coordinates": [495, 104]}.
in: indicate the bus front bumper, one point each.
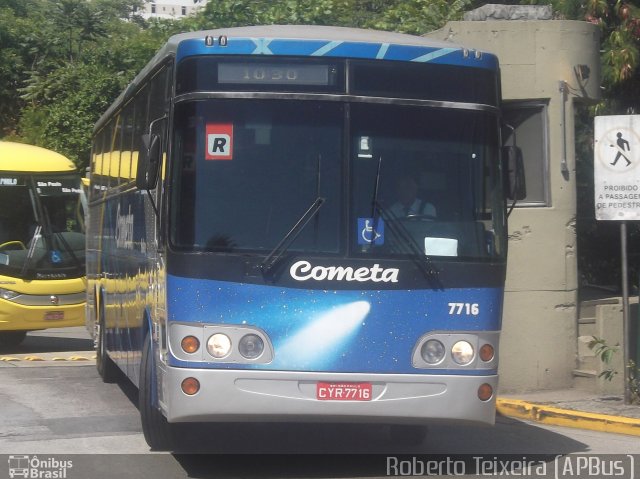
{"type": "Point", "coordinates": [249, 395]}
{"type": "Point", "coordinates": [18, 317]}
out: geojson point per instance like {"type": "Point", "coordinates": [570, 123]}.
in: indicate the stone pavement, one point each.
{"type": "Point", "coordinates": [573, 408]}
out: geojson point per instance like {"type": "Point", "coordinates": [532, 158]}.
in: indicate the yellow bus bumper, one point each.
{"type": "Point", "coordinates": [42, 304]}
{"type": "Point", "coordinates": [15, 317]}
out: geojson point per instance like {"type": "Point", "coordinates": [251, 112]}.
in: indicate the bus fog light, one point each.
{"type": "Point", "coordinates": [485, 392]}
{"type": "Point", "coordinates": [190, 344]}
{"type": "Point", "coordinates": [190, 386]}
{"type": "Point", "coordinates": [462, 352]}
{"type": "Point", "coordinates": [251, 346]}
{"type": "Point", "coordinates": [487, 353]}
{"type": "Point", "coordinates": [432, 351]}
{"type": "Point", "coordinates": [219, 345]}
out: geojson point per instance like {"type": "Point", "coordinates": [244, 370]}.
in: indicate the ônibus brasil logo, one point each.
{"type": "Point", "coordinates": [38, 468]}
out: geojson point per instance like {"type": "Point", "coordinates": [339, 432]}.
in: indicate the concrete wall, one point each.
{"type": "Point", "coordinates": [539, 342]}
{"type": "Point", "coordinates": [603, 319]}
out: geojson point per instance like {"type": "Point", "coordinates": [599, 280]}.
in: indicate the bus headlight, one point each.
{"type": "Point", "coordinates": [432, 351]}
{"type": "Point", "coordinates": [8, 294]}
{"type": "Point", "coordinates": [462, 352]}
{"type": "Point", "coordinates": [219, 345]}
{"type": "Point", "coordinates": [251, 346]}
{"type": "Point", "coordinates": [459, 350]}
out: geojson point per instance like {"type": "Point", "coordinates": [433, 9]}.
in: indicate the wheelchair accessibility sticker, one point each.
{"type": "Point", "coordinates": [56, 257]}
{"type": "Point", "coordinates": [370, 234]}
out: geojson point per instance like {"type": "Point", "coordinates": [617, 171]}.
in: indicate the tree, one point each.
{"type": "Point", "coordinates": [62, 62]}
{"type": "Point", "coordinates": [81, 21]}
{"type": "Point", "coordinates": [26, 45]}
{"type": "Point", "coordinates": [408, 16]}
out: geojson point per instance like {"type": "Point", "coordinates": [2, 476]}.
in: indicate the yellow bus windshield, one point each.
{"type": "Point", "coordinates": [41, 226]}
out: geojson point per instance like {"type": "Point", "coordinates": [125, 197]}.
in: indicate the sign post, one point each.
{"type": "Point", "coordinates": [617, 195]}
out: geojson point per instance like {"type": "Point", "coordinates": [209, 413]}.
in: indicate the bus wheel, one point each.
{"type": "Point", "coordinates": [107, 369]}
{"type": "Point", "coordinates": [12, 338]}
{"type": "Point", "coordinates": [158, 433]}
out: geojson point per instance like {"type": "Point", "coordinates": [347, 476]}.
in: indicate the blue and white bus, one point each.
{"type": "Point", "coordinates": [299, 223]}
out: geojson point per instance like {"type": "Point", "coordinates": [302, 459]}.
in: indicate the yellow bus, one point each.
{"type": "Point", "coordinates": [42, 242]}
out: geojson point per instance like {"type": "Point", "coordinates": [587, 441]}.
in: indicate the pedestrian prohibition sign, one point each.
{"type": "Point", "coordinates": [616, 167]}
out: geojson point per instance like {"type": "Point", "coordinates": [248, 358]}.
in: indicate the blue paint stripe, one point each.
{"type": "Point", "coordinates": [336, 49]}
{"type": "Point", "coordinates": [383, 51]}
{"type": "Point", "coordinates": [287, 47]}
{"type": "Point", "coordinates": [433, 55]}
{"type": "Point", "coordinates": [326, 49]}
{"type": "Point", "coordinates": [262, 46]}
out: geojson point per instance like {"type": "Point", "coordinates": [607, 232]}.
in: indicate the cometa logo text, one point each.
{"type": "Point", "coordinates": [304, 271]}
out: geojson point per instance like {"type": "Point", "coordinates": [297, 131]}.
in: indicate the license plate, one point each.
{"type": "Point", "coordinates": [343, 391]}
{"type": "Point", "coordinates": [53, 315]}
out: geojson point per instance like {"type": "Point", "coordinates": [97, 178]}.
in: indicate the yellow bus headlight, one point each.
{"type": "Point", "coordinates": [8, 294]}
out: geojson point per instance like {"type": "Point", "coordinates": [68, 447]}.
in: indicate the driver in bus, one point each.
{"type": "Point", "coordinates": [409, 204]}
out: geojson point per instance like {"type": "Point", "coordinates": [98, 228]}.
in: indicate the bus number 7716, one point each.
{"type": "Point", "coordinates": [467, 309]}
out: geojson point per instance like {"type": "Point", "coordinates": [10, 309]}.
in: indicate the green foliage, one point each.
{"type": "Point", "coordinates": [69, 118]}
{"type": "Point", "coordinates": [420, 16]}
{"type": "Point", "coordinates": [634, 381]}
{"type": "Point", "coordinates": [24, 47]}
{"type": "Point", "coordinates": [62, 62]}
{"type": "Point", "coordinates": [605, 352]}
{"type": "Point", "coordinates": [408, 16]}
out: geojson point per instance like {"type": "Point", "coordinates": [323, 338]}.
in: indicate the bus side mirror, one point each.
{"type": "Point", "coordinates": [148, 163]}
{"type": "Point", "coordinates": [513, 173]}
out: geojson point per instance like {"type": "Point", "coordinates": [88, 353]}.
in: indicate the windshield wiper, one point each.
{"type": "Point", "coordinates": [420, 258]}
{"type": "Point", "coordinates": [423, 261]}
{"type": "Point", "coordinates": [32, 249]}
{"type": "Point", "coordinates": [35, 205]}
{"type": "Point", "coordinates": [374, 200]}
{"type": "Point", "coordinates": [272, 258]}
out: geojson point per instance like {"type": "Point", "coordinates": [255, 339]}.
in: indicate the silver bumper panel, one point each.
{"type": "Point", "coordinates": [249, 395]}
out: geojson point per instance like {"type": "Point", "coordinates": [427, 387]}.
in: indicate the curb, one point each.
{"type": "Point", "coordinates": [547, 414]}
{"type": "Point", "coordinates": [31, 358]}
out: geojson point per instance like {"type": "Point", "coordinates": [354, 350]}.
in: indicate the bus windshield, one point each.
{"type": "Point", "coordinates": [425, 181]}
{"type": "Point", "coordinates": [41, 226]}
{"type": "Point", "coordinates": [421, 181]}
{"type": "Point", "coordinates": [247, 195]}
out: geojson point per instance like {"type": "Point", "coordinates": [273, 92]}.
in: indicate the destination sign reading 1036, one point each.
{"type": "Point", "coordinates": [275, 74]}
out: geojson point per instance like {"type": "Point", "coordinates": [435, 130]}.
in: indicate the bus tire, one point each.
{"type": "Point", "coordinates": [158, 433]}
{"type": "Point", "coordinates": [12, 338]}
{"type": "Point", "coordinates": [107, 369]}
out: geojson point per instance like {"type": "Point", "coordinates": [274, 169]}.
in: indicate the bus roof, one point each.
{"type": "Point", "coordinates": [352, 42]}
{"type": "Point", "coordinates": [18, 157]}
{"type": "Point", "coordinates": [313, 32]}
